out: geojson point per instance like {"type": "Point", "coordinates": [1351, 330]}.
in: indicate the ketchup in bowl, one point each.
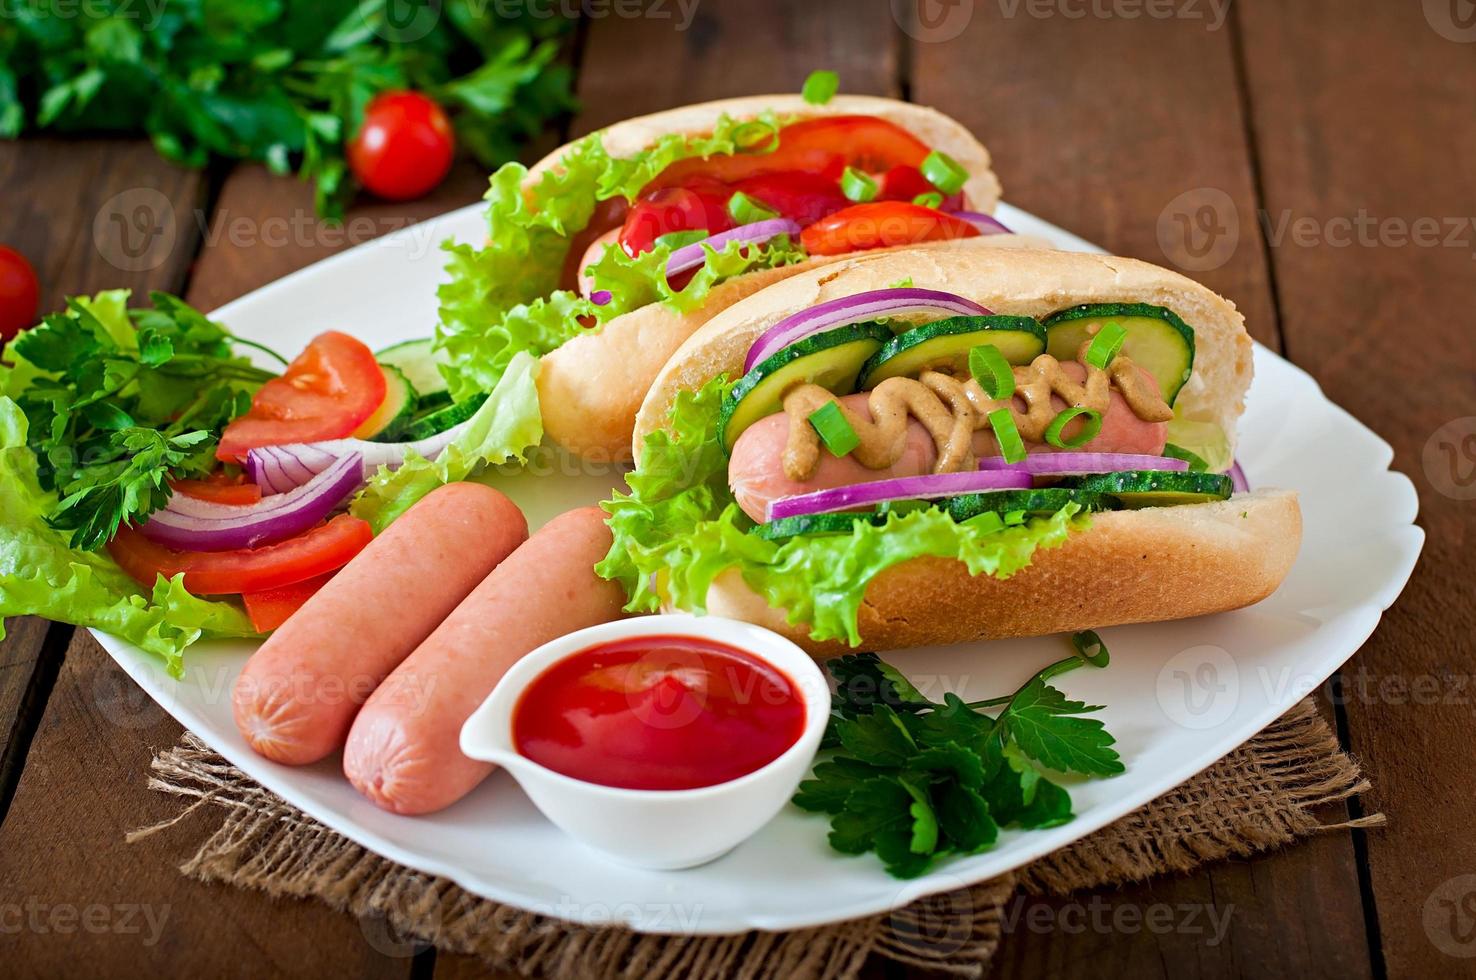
{"type": "Point", "coordinates": [658, 713]}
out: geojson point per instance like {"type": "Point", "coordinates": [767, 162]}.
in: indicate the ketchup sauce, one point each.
{"type": "Point", "coordinates": [658, 713]}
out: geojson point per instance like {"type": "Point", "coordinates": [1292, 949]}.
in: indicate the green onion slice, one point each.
{"type": "Point", "coordinates": [745, 210]}
{"type": "Point", "coordinates": [944, 172]}
{"type": "Point", "coordinates": [830, 422]}
{"type": "Point", "coordinates": [1197, 463]}
{"type": "Point", "coordinates": [820, 87]}
{"type": "Point", "coordinates": [987, 522]}
{"type": "Point", "coordinates": [857, 186]}
{"type": "Point", "coordinates": [676, 239]}
{"type": "Point", "coordinates": [1105, 345]}
{"type": "Point", "coordinates": [932, 199]}
{"type": "Point", "coordinates": [756, 136]}
{"type": "Point", "coordinates": [992, 371]}
{"type": "Point", "coordinates": [1091, 425]}
{"type": "Point", "coordinates": [1011, 446]}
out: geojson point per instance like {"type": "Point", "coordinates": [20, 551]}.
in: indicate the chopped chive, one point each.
{"type": "Point", "coordinates": [1011, 446]}
{"type": "Point", "coordinates": [820, 87]}
{"type": "Point", "coordinates": [1197, 463]}
{"type": "Point", "coordinates": [992, 371]}
{"type": "Point", "coordinates": [745, 210]}
{"type": "Point", "coordinates": [1014, 518]}
{"type": "Point", "coordinates": [931, 199]}
{"type": "Point", "coordinates": [944, 172]}
{"type": "Point", "coordinates": [756, 136]}
{"type": "Point", "coordinates": [857, 186]}
{"type": "Point", "coordinates": [830, 422]}
{"type": "Point", "coordinates": [1105, 345]}
{"type": "Point", "coordinates": [1091, 425]}
{"type": "Point", "coordinates": [987, 522]}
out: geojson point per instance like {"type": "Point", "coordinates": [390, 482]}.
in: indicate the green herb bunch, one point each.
{"type": "Point", "coordinates": [284, 82]}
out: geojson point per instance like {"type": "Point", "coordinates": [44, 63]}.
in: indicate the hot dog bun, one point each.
{"type": "Point", "coordinates": [590, 387]}
{"type": "Point", "coordinates": [1129, 566]}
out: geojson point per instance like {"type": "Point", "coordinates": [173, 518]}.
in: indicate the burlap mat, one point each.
{"type": "Point", "coordinates": [1260, 796]}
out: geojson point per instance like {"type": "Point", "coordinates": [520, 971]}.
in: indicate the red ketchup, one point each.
{"type": "Point", "coordinates": [658, 713]}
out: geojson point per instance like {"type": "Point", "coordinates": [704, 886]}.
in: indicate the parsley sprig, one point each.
{"type": "Point", "coordinates": [914, 779]}
{"type": "Point", "coordinates": [118, 402]}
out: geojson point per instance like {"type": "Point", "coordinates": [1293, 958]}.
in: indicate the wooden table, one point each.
{"type": "Point", "coordinates": [1296, 144]}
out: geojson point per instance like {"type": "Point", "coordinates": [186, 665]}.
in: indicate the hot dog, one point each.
{"type": "Point", "coordinates": [403, 750]}
{"type": "Point", "coordinates": [757, 476]}
{"type": "Point", "coordinates": [299, 692]}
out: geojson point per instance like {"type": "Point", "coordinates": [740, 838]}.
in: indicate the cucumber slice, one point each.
{"type": "Point", "coordinates": [398, 406]}
{"type": "Point", "coordinates": [1157, 340]}
{"type": "Point", "coordinates": [946, 344]}
{"type": "Point", "coordinates": [831, 359]}
{"type": "Point", "coordinates": [1159, 488]}
{"type": "Point", "coordinates": [788, 527]}
{"type": "Point", "coordinates": [434, 400]}
{"type": "Point", "coordinates": [1034, 503]}
{"type": "Point", "coordinates": [417, 360]}
{"type": "Point", "coordinates": [433, 423]}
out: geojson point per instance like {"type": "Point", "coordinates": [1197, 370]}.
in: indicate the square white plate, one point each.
{"type": "Point", "coordinates": [1180, 695]}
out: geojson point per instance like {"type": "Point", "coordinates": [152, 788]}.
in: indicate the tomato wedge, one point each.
{"type": "Point", "coordinates": [801, 197]}
{"type": "Point", "coordinates": [270, 609]}
{"type": "Point", "coordinates": [882, 225]}
{"type": "Point", "coordinates": [332, 387]}
{"type": "Point", "coordinates": [701, 204]}
{"type": "Point", "coordinates": [823, 146]}
{"type": "Point", "coordinates": [905, 183]}
{"type": "Point", "coordinates": [220, 489]}
{"type": "Point", "coordinates": [325, 548]}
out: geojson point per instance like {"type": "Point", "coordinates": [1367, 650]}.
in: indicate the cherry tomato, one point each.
{"type": "Point", "coordinates": [797, 195]}
{"type": "Point", "coordinates": [903, 183]}
{"type": "Point", "coordinates": [325, 548]}
{"type": "Point", "coordinates": [701, 203]}
{"type": "Point", "coordinates": [270, 609]}
{"type": "Point", "coordinates": [220, 489]}
{"type": "Point", "coordinates": [882, 224]}
{"type": "Point", "coordinates": [823, 146]}
{"type": "Point", "coordinates": [332, 387]}
{"type": "Point", "coordinates": [404, 147]}
{"type": "Point", "coordinates": [20, 294]}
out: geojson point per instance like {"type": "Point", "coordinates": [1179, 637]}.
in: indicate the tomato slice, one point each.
{"type": "Point", "coordinates": [332, 387]}
{"type": "Point", "coordinates": [905, 183]}
{"type": "Point", "coordinates": [797, 195]}
{"type": "Point", "coordinates": [701, 203]}
{"type": "Point", "coordinates": [822, 146]}
{"type": "Point", "coordinates": [220, 489]}
{"type": "Point", "coordinates": [325, 548]}
{"type": "Point", "coordinates": [882, 225]}
{"type": "Point", "coordinates": [270, 609]}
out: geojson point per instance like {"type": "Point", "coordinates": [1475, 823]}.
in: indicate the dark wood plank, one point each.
{"type": "Point", "coordinates": [89, 216]}
{"type": "Point", "coordinates": [1365, 113]}
{"type": "Point", "coordinates": [1116, 149]}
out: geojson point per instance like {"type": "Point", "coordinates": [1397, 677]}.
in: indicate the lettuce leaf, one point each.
{"type": "Point", "coordinates": [40, 574]}
{"type": "Point", "coordinates": [506, 426]}
{"type": "Point", "coordinates": [679, 528]}
{"type": "Point", "coordinates": [636, 281]}
{"type": "Point", "coordinates": [502, 297]}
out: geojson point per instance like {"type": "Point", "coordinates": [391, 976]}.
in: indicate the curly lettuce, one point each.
{"type": "Point", "coordinates": [41, 575]}
{"type": "Point", "coordinates": [502, 297]}
{"type": "Point", "coordinates": [679, 528]}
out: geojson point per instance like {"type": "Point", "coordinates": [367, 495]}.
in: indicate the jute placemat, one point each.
{"type": "Point", "coordinates": [1261, 795]}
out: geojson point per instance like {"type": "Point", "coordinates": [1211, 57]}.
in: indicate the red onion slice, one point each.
{"type": "Point", "coordinates": [1082, 464]}
{"type": "Point", "coordinates": [259, 524]}
{"type": "Point", "coordinates": [900, 488]}
{"type": "Point", "coordinates": [986, 223]}
{"type": "Point", "coordinates": [1237, 478]}
{"type": "Point", "coordinates": [691, 256]}
{"type": "Point", "coordinates": [854, 309]}
{"type": "Point", "coordinates": [278, 469]}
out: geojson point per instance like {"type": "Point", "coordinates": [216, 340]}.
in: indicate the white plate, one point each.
{"type": "Point", "coordinates": [1180, 695]}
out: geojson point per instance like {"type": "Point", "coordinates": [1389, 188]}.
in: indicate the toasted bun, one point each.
{"type": "Point", "coordinates": [1018, 281]}
{"type": "Point", "coordinates": [1131, 566]}
{"type": "Point", "coordinates": [591, 387]}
